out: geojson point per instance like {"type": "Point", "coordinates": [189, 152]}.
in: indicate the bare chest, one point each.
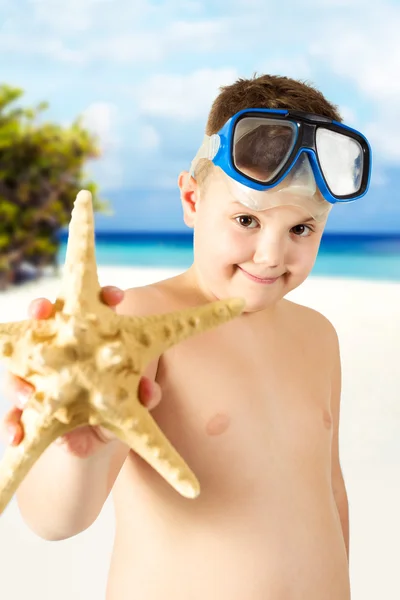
{"type": "Point", "coordinates": [261, 404]}
{"type": "Point", "coordinates": [250, 413]}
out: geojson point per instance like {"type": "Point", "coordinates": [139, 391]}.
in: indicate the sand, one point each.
{"type": "Point", "coordinates": [366, 317]}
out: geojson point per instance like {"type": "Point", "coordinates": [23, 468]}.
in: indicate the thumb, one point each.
{"type": "Point", "coordinates": [111, 295]}
{"type": "Point", "coordinates": [149, 393]}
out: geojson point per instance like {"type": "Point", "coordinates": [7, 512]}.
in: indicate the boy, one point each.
{"type": "Point", "coordinates": [252, 406]}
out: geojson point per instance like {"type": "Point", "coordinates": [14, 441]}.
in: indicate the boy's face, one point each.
{"type": "Point", "coordinates": [238, 252]}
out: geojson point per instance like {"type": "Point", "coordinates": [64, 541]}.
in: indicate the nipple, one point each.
{"type": "Point", "coordinates": [218, 424]}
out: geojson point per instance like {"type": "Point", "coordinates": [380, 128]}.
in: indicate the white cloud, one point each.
{"type": "Point", "coordinates": [7, 11]}
{"type": "Point", "coordinates": [348, 115]}
{"type": "Point", "coordinates": [73, 16]}
{"type": "Point", "coordinates": [181, 97]}
{"type": "Point", "coordinates": [379, 177]}
{"type": "Point", "coordinates": [125, 47]}
{"type": "Point", "coordinates": [333, 3]}
{"type": "Point", "coordinates": [368, 59]}
{"type": "Point", "coordinates": [108, 171]}
{"type": "Point", "coordinates": [353, 44]}
{"type": "Point", "coordinates": [83, 31]}
{"type": "Point", "coordinates": [364, 49]}
{"type": "Point", "coordinates": [76, 16]}
{"type": "Point", "coordinates": [298, 67]}
{"type": "Point", "coordinates": [12, 44]}
{"type": "Point", "coordinates": [384, 135]}
{"type": "Point", "coordinates": [149, 139]}
{"type": "Point", "coordinates": [202, 36]}
{"type": "Point", "coordinates": [156, 45]}
{"type": "Point", "coordinates": [101, 119]}
{"type": "Point", "coordinates": [135, 47]}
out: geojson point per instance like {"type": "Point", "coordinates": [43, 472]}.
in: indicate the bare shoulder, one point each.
{"type": "Point", "coordinates": [139, 301]}
{"type": "Point", "coordinates": [163, 296]}
{"type": "Point", "coordinates": [317, 325]}
{"type": "Point", "coordinates": [145, 300]}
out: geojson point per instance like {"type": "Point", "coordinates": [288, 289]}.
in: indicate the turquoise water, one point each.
{"type": "Point", "coordinates": [353, 256]}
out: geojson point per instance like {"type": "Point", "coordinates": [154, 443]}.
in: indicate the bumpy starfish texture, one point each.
{"type": "Point", "coordinates": [86, 362]}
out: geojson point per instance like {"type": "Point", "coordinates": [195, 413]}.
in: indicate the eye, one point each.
{"type": "Point", "coordinates": [302, 230]}
{"type": "Point", "coordinates": [246, 221]}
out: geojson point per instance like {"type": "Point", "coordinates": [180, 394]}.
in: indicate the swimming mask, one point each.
{"type": "Point", "coordinates": [274, 157]}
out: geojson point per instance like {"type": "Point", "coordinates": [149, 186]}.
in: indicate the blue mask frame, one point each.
{"type": "Point", "coordinates": [220, 150]}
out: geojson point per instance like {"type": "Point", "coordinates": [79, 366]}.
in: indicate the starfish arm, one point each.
{"type": "Point", "coordinates": [142, 434]}
{"type": "Point", "coordinates": [156, 333]}
{"type": "Point", "coordinates": [13, 330]}
{"type": "Point", "coordinates": [16, 339]}
{"type": "Point", "coordinates": [40, 430]}
{"type": "Point", "coordinates": [80, 288]}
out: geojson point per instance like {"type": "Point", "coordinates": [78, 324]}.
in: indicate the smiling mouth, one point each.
{"type": "Point", "coordinates": [265, 280]}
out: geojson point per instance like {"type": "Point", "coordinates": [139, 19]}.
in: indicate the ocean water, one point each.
{"type": "Point", "coordinates": [341, 255]}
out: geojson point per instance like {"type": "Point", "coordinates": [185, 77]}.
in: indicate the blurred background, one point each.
{"type": "Point", "coordinates": [113, 96]}
{"type": "Point", "coordinates": [141, 75]}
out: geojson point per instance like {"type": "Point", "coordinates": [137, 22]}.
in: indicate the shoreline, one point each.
{"type": "Point", "coordinates": [153, 273]}
{"type": "Point", "coordinates": [317, 291]}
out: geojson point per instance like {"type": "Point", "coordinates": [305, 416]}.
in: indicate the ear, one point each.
{"type": "Point", "coordinates": [189, 197]}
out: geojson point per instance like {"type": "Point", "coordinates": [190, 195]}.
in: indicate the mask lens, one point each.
{"type": "Point", "coordinates": [261, 147]}
{"type": "Point", "coordinates": [341, 160]}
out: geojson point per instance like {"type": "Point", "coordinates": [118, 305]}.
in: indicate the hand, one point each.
{"type": "Point", "coordinates": [83, 441]}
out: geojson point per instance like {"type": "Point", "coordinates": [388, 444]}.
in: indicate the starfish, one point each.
{"type": "Point", "coordinates": [85, 363]}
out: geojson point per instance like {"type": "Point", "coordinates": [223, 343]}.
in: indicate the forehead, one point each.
{"type": "Point", "coordinates": [284, 210]}
{"type": "Point", "coordinates": [288, 205]}
{"type": "Point", "coordinates": [305, 201]}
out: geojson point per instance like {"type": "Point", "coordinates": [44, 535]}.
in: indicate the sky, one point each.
{"type": "Point", "coordinates": [143, 76]}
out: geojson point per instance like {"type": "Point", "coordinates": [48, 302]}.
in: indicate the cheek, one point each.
{"type": "Point", "coordinates": [234, 245]}
{"type": "Point", "coordinates": [220, 239]}
{"type": "Point", "coordinates": [303, 256]}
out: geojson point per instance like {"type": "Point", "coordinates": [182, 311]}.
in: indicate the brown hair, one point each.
{"type": "Point", "coordinates": [265, 91]}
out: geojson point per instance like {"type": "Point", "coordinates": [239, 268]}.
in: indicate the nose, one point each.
{"type": "Point", "coordinates": [270, 251]}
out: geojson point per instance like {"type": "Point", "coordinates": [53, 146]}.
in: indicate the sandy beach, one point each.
{"type": "Point", "coordinates": [367, 318]}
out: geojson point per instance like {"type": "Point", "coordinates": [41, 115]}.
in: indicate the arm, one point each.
{"type": "Point", "coordinates": [338, 485]}
{"type": "Point", "coordinates": [63, 493]}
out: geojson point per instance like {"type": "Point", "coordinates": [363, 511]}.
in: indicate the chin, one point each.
{"type": "Point", "coordinates": [253, 305]}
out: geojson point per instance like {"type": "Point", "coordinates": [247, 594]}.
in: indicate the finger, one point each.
{"type": "Point", "coordinates": [40, 308]}
{"type": "Point", "coordinates": [18, 390]}
{"type": "Point", "coordinates": [23, 391]}
{"type": "Point", "coordinates": [149, 393]}
{"type": "Point", "coordinates": [111, 295]}
{"type": "Point", "coordinates": [12, 431]}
